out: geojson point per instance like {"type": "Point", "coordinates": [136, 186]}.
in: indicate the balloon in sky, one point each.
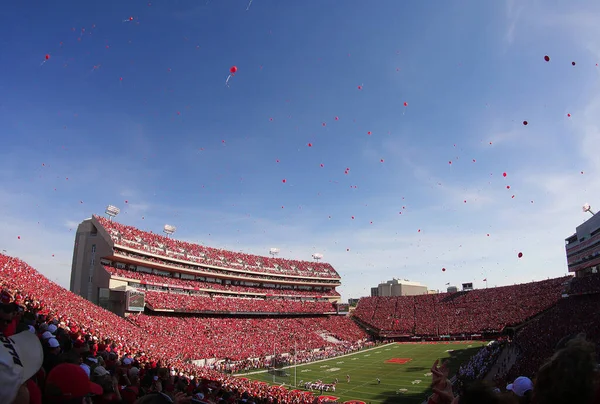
{"type": "Point", "coordinates": [547, 58]}
{"type": "Point", "coordinates": [232, 71]}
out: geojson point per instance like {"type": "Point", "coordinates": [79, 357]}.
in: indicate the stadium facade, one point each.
{"type": "Point", "coordinates": [583, 248]}
{"type": "Point", "coordinates": [116, 266]}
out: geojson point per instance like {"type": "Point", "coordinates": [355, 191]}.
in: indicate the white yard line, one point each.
{"type": "Point", "coordinates": [320, 360]}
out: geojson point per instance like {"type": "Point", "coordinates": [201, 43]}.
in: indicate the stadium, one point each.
{"type": "Point", "coordinates": [227, 323]}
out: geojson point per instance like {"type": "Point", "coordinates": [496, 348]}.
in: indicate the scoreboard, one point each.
{"type": "Point", "coordinates": [135, 300]}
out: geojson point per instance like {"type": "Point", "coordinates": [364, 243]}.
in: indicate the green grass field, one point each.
{"type": "Point", "coordinates": [400, 383]}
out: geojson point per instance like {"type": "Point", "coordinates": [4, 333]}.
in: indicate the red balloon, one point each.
{"type": "Point", "coordinates": [504, 174]}
{"type": "Point", "coordinates": [569, 115]}
{"type": "Point", "coordinates": [573, 63]}
{"type": "Point", "coordinates": [47, 57]}
{"type": "Point", "coordinates": [233, 69]}
{"type": "Point", "coordinates": [130, 18]}
{"type": "Point", "coordinates": [369, 133]}
{"type": "Point", "coordinates": [520, 255]}
{"type": "Point", "coordinates": [405, 104]}
{"type": "Point", "coordinates": [284, 181]}
{"type": "Point", "coordinates": [310, 145]}
{"type": "Point", "coordinates": [525, 123]}
{"type": "Point", "coordinates": [508, 187]}
{"type": "Point", "coordinates": [547, 58]}
{"type": "Point", "coordinates": [443, 269]}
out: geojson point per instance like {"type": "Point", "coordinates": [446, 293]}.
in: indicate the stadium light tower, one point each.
{"type": "Point", "coordinates": [317, 256]}
{"type": "Point", "coordinates": [112, 211]}
{"type": "Point", "coordinates": [587, 208]}
{"type": "Point", "coordinates": [274, 251]}
{"type": "Point", "coordinates": [169, 230]}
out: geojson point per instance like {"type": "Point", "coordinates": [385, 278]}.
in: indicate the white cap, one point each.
{"type": "Point", "coordinates": [53, 343]}
{"type": "Point", "coordinates": [21, 356]}
{"type": "Point", "coordinates": [52, 328]}
{"type": "Point", "coordinates": [101, 371]}
{"type": "Point", "coordinates": [133, 372]}
{"type": "Point", "coordinates": [47, 335]}
{"type": "Point", "coordinates": [520, 386]}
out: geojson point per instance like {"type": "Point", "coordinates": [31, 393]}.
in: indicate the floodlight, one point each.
{"type": "Point", "coordinates": [168, 229]}
{"type": "Point", "coordinates": [317, 256]}
{"type": "Point", "coordinates": [112, 211]}
{"type": "Point", "coordinates": [274, 251]}
{"type": "Point", "coordinates": [587, 208]}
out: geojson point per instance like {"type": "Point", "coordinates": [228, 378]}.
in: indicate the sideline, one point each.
{"type": "Point", "coordinates": [317, 361]}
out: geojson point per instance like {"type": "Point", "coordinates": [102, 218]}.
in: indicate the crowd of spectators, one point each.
{"type": "Point", "coordinates": [539, 338]}
{"type": "Point", "coordinates": [584, 285]}
{"type": "Point", "coordinates": [76, 332]}
{"type": "Point", "coordinates": [241, 274]}
{"type": "Point", "coordinates": [568, 376]}
{"type": "Point", "coordinates": [170, 282]}
{"type": "Point", "coordinates": [197, 303]}
{"type": "Point", "coordinates": [160, 245]}
{"type": "Point", "coordinates": [480, 363]}
{"type": "Point", "coordinates": [476, 311]}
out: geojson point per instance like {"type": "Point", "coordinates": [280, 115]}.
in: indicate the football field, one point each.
{"type": "Point", "coordinates": [404, 371]}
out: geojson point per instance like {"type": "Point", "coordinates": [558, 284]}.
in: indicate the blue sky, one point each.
{"type": "Point", "coordinates": [138, 111]}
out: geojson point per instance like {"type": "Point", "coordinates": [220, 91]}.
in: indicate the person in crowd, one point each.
{"type": "Point", "coordinates": [569, 376]}
{"type": "Point", "coordinates": [21, 357]}
{"type": "Point", "coordinates": [522, 388]}
{"type": "Point", "coordinates": [68, 383]}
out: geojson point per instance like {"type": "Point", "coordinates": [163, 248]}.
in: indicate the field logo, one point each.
{"type": "Point", "coordinates": [333, 369]}
{"type": "Point", "coordinates": [399, 361]}
{"type": "Point", "coordinates": [416, 381]}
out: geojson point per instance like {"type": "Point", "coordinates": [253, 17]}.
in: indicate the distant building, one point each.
{"type": "Point", "coordinates": [452, 289]}
{"type": "Point", "coordinates": [432, 292]}
{"type": "Point", "coordinates": [353, 301]}
{"type": "Point", "coordinates": [583, 248]}
{"type": "Point", "coordinates": [400, 287]}
{"type": "Point", "coordinates": [374, 292]}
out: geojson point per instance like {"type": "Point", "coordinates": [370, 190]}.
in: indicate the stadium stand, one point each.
{"type": "Point", "coordinates": [167, 247]}
{"type": "Point", "coordinates": [164, 345]}
{"type": "Point", "coordinates": [175, 283]}
{"type": "Point", "coordinates": [184, 302]}
{"type": "Point", "coordinates": [476, 311]}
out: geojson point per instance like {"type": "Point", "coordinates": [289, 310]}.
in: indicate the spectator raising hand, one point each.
{"type": "Point", "coordinates": [441, 386]}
